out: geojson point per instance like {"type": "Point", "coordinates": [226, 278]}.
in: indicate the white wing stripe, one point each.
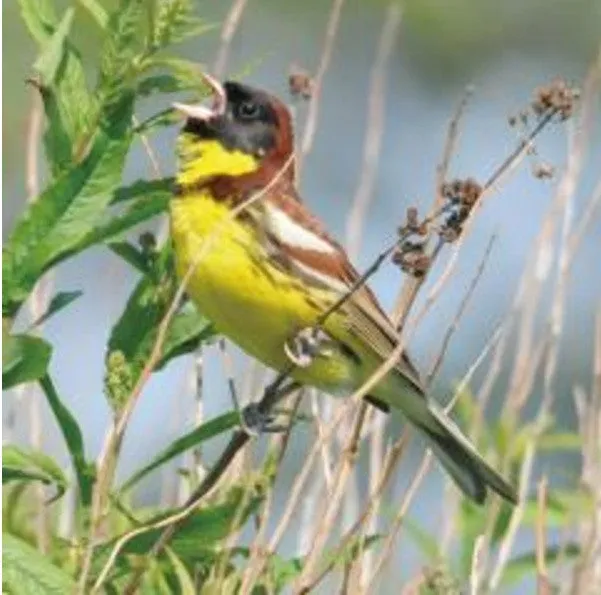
{"type": "Point", "coordinates": [321, 278]}
{"type": "Point", "coordinates": [293, 234]}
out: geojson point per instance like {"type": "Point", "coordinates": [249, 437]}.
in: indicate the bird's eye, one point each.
{"type": "Point", "coordinates": [248, 110]}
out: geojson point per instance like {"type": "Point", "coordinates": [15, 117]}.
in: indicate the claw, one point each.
{"type": "Point", "coordinates": [255, 422]}
{"type": "Point", "coordinates": [306, 345]}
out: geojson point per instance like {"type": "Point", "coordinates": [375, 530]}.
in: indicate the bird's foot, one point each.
{"type": "Point", "coordinates": [306, 345]}
{"type": "Point", "coordinates": [256, 422]}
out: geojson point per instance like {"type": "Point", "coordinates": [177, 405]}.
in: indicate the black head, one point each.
{"type": "Point", "coordinates": [244, 119]}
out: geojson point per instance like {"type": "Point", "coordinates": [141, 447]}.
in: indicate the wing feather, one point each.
{"type": "Point", "coordinates": [303, 244]}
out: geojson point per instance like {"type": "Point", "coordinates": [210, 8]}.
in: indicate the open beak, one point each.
{"type": "Point", "coordinates": [204, 112]}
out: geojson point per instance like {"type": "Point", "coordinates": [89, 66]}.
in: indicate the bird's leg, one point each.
{"type": "Point", "coordinates": [258, 418]}
{"type": "Point", "coordinates": [306, 345]}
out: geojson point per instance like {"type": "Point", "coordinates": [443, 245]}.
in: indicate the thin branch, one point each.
{"type": "Point", "coordinates": [108, 457]}
{"type": "Point", "coordinates": [412, 287]}
{"type": "Point", "coordinates": [326, 56]}
{"type": "Point", "coordinates": [230, 26]}
{"type": "Point", "coordinates": [375, 128]}
{"type": "Point", "coordinates": [543, 586]}
{"type": "Point", "coordinates": [477, 567]}
{"type": "Point", "coordinates": [349, 457]}
{"type": "Point", "coordinates": [461, 311]}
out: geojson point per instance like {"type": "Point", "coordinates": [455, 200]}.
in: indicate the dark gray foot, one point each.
{"type": "Point", "coordinates": [255, 422]}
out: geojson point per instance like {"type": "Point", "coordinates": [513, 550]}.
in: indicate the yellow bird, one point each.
{"type": "Point", "coordinates": [267, 273]}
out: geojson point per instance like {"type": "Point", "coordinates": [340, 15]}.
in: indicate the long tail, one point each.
{"type": "Point", "coordinates": [459, 457]}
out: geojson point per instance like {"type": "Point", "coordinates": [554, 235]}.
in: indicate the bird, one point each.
{"type": "Point", "coordinates": [262, 268]}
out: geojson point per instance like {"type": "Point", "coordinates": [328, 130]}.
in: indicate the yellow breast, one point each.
{"type": "Point", "coordinates": [248, 299]}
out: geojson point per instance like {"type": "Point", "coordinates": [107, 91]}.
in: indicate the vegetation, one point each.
{"type": "Point", "coordinates": [226, 537]}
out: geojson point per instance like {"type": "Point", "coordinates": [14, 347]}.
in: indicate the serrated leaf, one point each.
{"type": "Point", "coordinates": [21, 464]}
{"type": "Point", "coordinates": [187, 72]}
{"type": "Point", "coordinates": [184, 443]}
{"type": "Point", "coordinates": [39, 18]}
{"type": "Point", "coordinates": [69, 107]}
{"type": "Point", "coordinates": [27, 572]}
{"type": "Point", "coordinates": [122, 46]}
{"type": "Point", "coordinates": [53, 50]}
{"type": "Point", "coordinates": [72, 435]}
{"type": "Point", "coordinates": [96, 11]}
{"type": "Point", "coordinates": [24, 359]}
{"type": "Point", "coordinates": [137, 212]}
{"type": "Point", "coordinates": [65, 213]}
{"type": "Point", "coordinates": [161, 83]}
{"type": "Point", "coordinates": [58, 302]}
{"type": "Point", "coordinates": [172, 16]}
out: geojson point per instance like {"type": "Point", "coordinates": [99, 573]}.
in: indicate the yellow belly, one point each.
{"type": "Point", "coordinates": [250, 301]}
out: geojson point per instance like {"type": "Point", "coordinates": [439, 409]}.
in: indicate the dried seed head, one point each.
{"type": "Point", "coordinates": [543, 170]}
{"type": "Point", "coordinates": [557, 96]}
{"type": "Point", "coordinates": [300, 82]}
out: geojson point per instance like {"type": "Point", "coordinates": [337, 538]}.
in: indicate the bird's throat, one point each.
{"type": "Point", "coordinates": [202, 160]}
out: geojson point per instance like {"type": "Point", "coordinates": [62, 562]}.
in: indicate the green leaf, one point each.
{"type": "Point", "coordinates": [21, 464]}
{"type": "Point", "coordinates": [563, 508]}
{"type": "Point", "coordinates": [524, 566]}
{"type": "Point", "coordinates": [136, 213]}
{"type": "Point", "coordinates": [144, 189]}
{"type": "Point", "coordinates": [59, 301]}
{"type": "Point", "coordinates": [560, 441]}
{"type": "Point", "coordinates": [66, 212]}
{"type": "Point", "coordinates": [188, 330]}
{"type": "Point", "coordinates": [185, 581]}
{"type": "Point", "coordinates": [72, 435]}
{"type": "Point", "coordinates": [122, 49]}
{"type": "Point", "coordinates": [53, 51]}
{"type": "Point", "coordinates": [96, 11]}
{"type": "Point", "coordinates": [162, 83]}
{"type": "Point", "coordinates": [204, 432]}
{"type": "Point", "coordinates": [39, 18]}
{"type": "Point", "coordinates": [71, 111]}
{"type": "Point", "coordinates": [130, 254]}
{"type": "Point", "coordinates": [24, 359]}
{"type": "Point", "coordinates": [162, 119]}
{"type": "Point", "coordinates": [205, 528]}
{"type": "Point", "coordinates": [27, 572]}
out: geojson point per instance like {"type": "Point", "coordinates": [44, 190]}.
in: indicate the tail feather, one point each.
{"type": "Point", "coordinates": [461, 460]}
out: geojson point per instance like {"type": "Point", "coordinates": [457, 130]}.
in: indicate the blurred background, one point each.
{"type": "Point", "coordinates": [504, 50]}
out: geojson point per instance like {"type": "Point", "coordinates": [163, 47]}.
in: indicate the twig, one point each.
{"type": "Point", "coordinates": [543, 586]}
{"type": "Point", "coordinates": [112, 444]}
{"type": "Point", "coordinates": [354, 228]}
{"type": "Point", "coordinates": [37, 305]}
{"type": "Point", "coordinates": [333, 500]}
{"type": "Point", "coordinates": [477, 565]}
{"type": "Point", "coordinates": [231, 24]}
{"type": "Point", "coordinates": [326, 55]}
{"type": "Point", "coordinates": [412, 287]}
{"type": "Point", "coordinates": [392, 458]}
{"type": "Point", "coordinates": [461, 311]}
{"type": "Point", "coordinates": [375, 127]}
{"type": "Point", "coordinates": [587, 572]}
{"type": "Point", "coordinates": [423, 469]}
